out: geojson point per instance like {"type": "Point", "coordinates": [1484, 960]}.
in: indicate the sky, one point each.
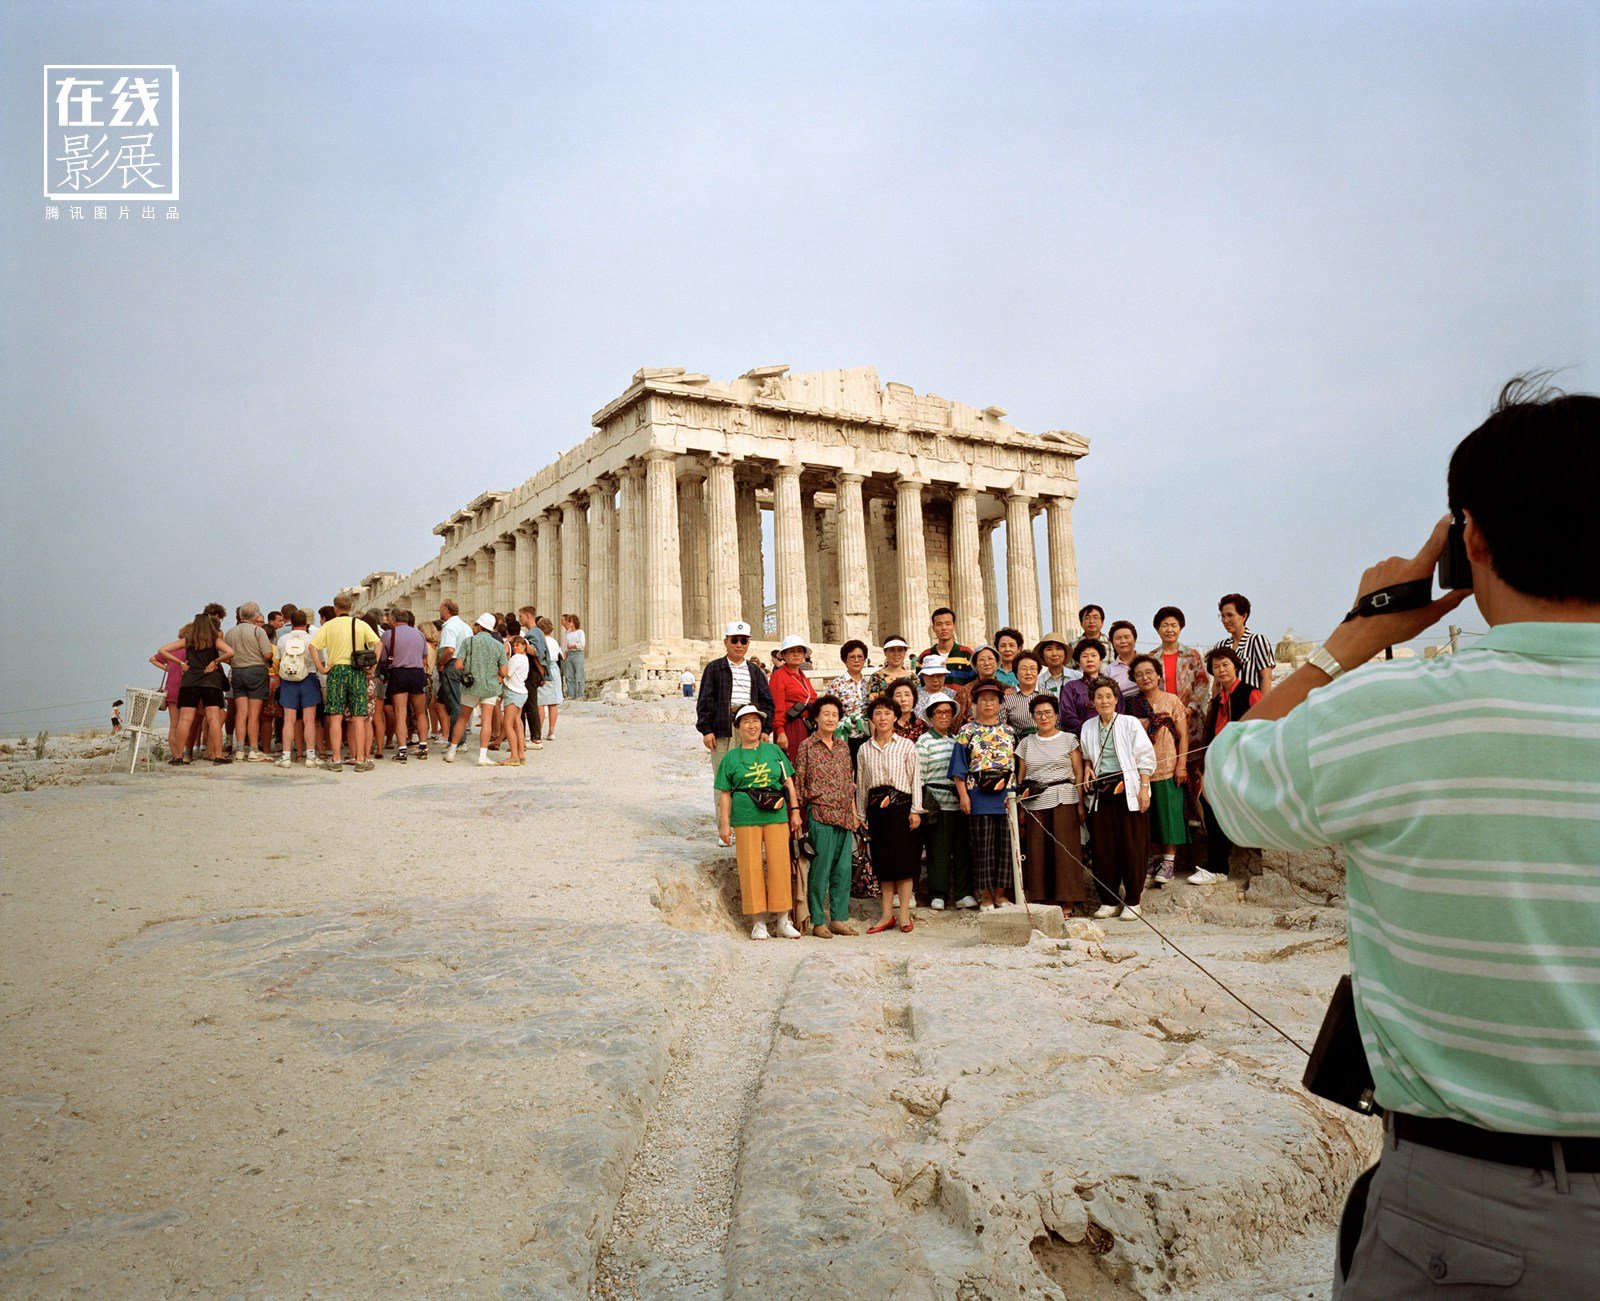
{"type": "Point", "coordinates": [1274, 260]}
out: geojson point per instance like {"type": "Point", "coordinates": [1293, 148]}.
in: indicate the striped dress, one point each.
{"type": "Point", "coordinates": [1465, 791]}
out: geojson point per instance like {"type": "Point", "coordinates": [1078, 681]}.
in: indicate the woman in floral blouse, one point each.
{"type": "Point", "coordinates": [981, 764]}
{"type": "Point", "coordinates": [850, 687]}
{"type": "Point", "coordinates": [1183, 668]}
{"type": "Point", "coordinates": [903, 695]}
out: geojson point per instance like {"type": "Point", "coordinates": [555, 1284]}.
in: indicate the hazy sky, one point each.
{"type": "Point", "coordinates": [1273, 259]}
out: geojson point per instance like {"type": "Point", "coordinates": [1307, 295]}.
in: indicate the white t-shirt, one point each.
{"type": "Point", "coordinates": [577, 640]}
{"type": "Point", "coordinates": [517, 673]}
{"type": "Point", "coordinates": [741, 684]}
{"type": "Point", "coordinates": [687, 679]}
{"type": "Point", "coordinates": [455, 631]}
{"type": "Point", "coordinates": [556, 644]}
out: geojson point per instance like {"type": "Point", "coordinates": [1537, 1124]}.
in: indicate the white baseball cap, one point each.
{"type": "Point", "coordinates": [792, 643]}
{"type": "Point", "coordinates": [896, 641]}
{"type": "Point", "coordinates": [931, 665]}
{"type": "Point", "coordinates": [486, 621]}
{"type": "Point", "coordinates": [749, 709]}
{"type": "Point", "coordinates": [738, 628]}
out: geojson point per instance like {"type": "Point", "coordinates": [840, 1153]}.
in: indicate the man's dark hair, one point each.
{"type": "Point", "coordinates": [1238, 602]}
{"type": "Point", "coordinates": [1528, 474]}
{"type": "Point", "coordinates": [1167, 612]}
{"type": "Point", "coordinates": [1223, 653]}
{"type": "Point", "coordinates": [943, 609]}
{"type": "Point", "coordinates": [1098, 609]}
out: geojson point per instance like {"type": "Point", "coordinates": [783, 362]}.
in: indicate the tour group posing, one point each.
{"type": "Point", "coordinates": [905, 770]}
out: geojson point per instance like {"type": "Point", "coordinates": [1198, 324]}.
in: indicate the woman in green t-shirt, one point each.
{"type": "Point", "coordinates": [751, 774]}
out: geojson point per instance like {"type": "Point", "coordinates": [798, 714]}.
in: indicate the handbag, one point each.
{"type": "Point", "coordinates": [888, 798]}
{"type": "Point", "coordinates": [360, 660]}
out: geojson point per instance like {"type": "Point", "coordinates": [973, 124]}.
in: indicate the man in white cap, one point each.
{"type": "Point", "coordinates": [729, 682]}
{"type": "Point", "coordinates": [932, 671]}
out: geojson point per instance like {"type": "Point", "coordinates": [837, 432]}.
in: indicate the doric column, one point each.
{"type": "Point", "coordinates": [525, 581]}
{"type": "Point", "coordinates": [722, 546]}
{"type": "Point", "coordinates": [752, 571]}
{"type": "Point", "coordinates": [574, 557]}
{"type": "Point", "coordinates": [600, 618]}
{"type": "Point", "coordinates": [505, 575]}
{"type": "Point", "coordinates": [827, 618]}
{"type": "Point", "coordinates": [788, 533]}
{"type": "Point", "coordinates": [991, 589]}
{"type": "Point", "coordinates": [1063, 565]}
{"type": "Point", "coordinates": [885, 570]}
{"type": "Point", "coordinates": [630, 555]}
{"type": "Point", "coordinates": [913, 567]}
{"type": "Point", "coordinates": [549, 600]}
{"type": "Point", "coordinates": [1022, 566]}
{"type": "Point", "coordinates": [854, 587]}
{"type": "Point", "coordinates": [483, 582]}
{"type": "Point", "coordinates": [811, 532]}
{"type": "Point", "coordinates": [447, 583]}
{"type": "Point", "coordinates": [966, 564]}
{"type": "Point", "coordinates": [663, 570]}
{"type": "Point", "coordinates": [692, 547]}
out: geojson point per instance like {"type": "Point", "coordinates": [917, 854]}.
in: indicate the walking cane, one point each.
{"type": "Point", "coordinates": [1016, 852]}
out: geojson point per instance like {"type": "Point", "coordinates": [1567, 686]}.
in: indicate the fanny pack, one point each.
{"type": "Point", "coordinates": [1029, 788]}
{"type": "Point", "coordinates": [989, 781]}
{"type": "Point", "coordinates": [766, 798]}
{"type": "Point", "coordinates": [888, 798]}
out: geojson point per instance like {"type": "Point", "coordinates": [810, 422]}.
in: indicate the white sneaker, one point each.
{"type": "Point", "coordinates": [937, 905]}
{"type": "Point", "coordinates": [450, 755]}
{"type": "Point", "coordinates": [1106, 910]}
{"type": "Point", "coordinates": [484, 761]}
{"type": "Point", "coordinates": [313, 762]}
{"type": "Point", "coordinates": [1131, 910]}
{"type": "Point", "coordinates": [786, 928]}
{"type": "Point", "coordinates": [283, 761]}
{"type": "Point", "coordinates": [1202, 877]}
{"type": "Point", "coordinates": [759, 931]}
{"type": "Point", "coordinates": [966, 901]}
{"type": "Point", "coordinates": [535, 745]}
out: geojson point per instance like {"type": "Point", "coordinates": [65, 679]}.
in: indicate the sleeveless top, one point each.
{"type": "Point", "coordinates": [194, 671]}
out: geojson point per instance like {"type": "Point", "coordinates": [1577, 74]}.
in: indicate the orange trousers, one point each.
{"type": "Point", "coordinates": [764, 874]}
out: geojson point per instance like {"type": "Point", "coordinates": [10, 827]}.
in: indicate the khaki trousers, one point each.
{"type": "Point", "coordinates": [765, 884]}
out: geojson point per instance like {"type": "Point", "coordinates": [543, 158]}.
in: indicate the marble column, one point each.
{"type": "Point", "coordinates": [828, 581]}
{"type": "Point", "coordinates": [722, 546]}
{"type": "Point", "coordinates": [525, 581]}
{"type": "Point", "coordinates": [811, 532]}
{"type": "Point", "coordinates": [913, 567]}
{"type": "Point", "coordinates": [447, 584]}
{"type": "Point", "coordinates": [1022, 567]}
{"type": "Point", "coordinates": [966, 565]}
{"type": "Point", "coordinates": [854, 586]}
{"type": "Point", "coordinates": [549, 601]}
{"type": "Point", "coordinates": [630, 555]}
{"type": "Point", "coordinates": [789, 562]}
{"type": "Point", "coordinates": [600, 619]}
{"type": "Point", "coordinates": [574, 557]}
{"type": "Point", "coordinates": [752, 569]}
{"type": "Point", "coordinates": [885, 570]}
{"type": "Point", "coordinates": [663, 575]}
{"type": "Point", "coordinates": [483, 582]}
{"type": "Point", "coordinates": [991, 588]}
{"type": "Point", "coordinates": [692, 547]}
{"type": "Point", "coordinates": [505, 576]}
{"type": "Point", "coordinates": [1063, 565]}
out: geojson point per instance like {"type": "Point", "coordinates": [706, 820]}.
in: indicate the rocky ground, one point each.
{"type": "Point", "coordinates": [439, 1030]}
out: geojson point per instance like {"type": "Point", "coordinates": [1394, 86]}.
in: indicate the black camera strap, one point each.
{"type": "Point", "coordinates": [1397, 597]}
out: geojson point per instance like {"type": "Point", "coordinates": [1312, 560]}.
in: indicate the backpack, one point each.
{"type": "Point", "coordinates": [294, 658]}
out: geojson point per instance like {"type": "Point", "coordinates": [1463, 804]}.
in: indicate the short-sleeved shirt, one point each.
{"type": "Point", "coordinates": [1049, 759]}
{"type": "Point", "coordinates": [1464, 792]}
{"type": "Point", "coordinates": [407, 648]}
{"type": "Point", "coordinates": [933, 754]}
{"type": "Point", "coordinates": [482, 656]}
{"type": "Point", "coordinates": [761, 768]}
{"type": "Point", "coordinates": [334, 639]}
{"type": "Point", "coordinates": [517, 673]}
{"type": "Point", "coordinates": [1255, 653]}
{"type": "Point", "coordinates": [251, 646]}
{"type": "Point", "coordinates": [983, 748]}
{"type": "Point", "coordinates": [455, 631]}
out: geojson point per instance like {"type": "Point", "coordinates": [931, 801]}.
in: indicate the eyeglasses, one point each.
{"type": "Point", "coordinates": [739, 641]}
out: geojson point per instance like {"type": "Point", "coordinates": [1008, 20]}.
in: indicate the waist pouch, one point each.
{"type": "Point", "coordinates": [888, 798]}
{"type": "Point", "coordinates": [1030, 788]}
{"type": "Point", "coordinates": [989, 781]}
{"type": "Point", "coordinates": [767, 799]}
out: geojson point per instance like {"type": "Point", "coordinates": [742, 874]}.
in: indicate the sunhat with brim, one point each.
{"type": "Point", "coordinates": [1049, 639]}
{"type": "Point", "coordinates": [486, 622]}
{"type": "Point", "coordinates": [939, 698]}
{"type": "Point", "coordinates": [749, 709]}
{"type": "Point", "coordinates": [792, 643]}
{"type": "Point", "coordinates": [933, 666]}
{"type": "Point", "coordinates": [897, 641]}
{"type": "Point", "coordinates": [978, 650]}
{"type": "Point", "coordinates": [989, 687]}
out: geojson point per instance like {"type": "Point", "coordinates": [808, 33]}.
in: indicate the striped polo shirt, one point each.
{"type": "Point", "coordinates": [1465, 791]}
{"type": "Point", "coordinates": [1255, 653]}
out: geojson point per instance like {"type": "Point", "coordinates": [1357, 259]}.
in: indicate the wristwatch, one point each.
{"type": "Point", "coordinates": [1321, 659]}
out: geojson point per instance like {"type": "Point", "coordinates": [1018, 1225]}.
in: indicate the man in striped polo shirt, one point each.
{"type": "Point", "coordinates": [1465, 791]}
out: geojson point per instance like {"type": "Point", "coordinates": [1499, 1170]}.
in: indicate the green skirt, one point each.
{"type": "Point", "coordinates": [1167, 826]}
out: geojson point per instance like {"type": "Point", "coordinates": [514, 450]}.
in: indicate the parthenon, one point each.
{"type": "Point", "coordinates": [884, 505]}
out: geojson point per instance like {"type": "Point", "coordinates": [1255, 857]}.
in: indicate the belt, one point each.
{"type": "Point", "coordinates": [1533, 1151]}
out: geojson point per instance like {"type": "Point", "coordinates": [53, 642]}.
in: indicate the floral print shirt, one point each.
{"type": "Point", "coordinates": [853, 694]}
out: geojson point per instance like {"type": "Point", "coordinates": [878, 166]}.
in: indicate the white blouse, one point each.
{"type": "Point", "coordinates": [1135, 755]}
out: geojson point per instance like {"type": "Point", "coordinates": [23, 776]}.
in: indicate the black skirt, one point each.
{"type": "Point", "coordinates": [896, 848]}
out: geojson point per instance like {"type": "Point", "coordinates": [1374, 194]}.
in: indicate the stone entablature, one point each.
{"type": "Point", "coordinates": [883, 502]}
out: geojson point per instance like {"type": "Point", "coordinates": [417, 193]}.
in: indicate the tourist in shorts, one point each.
{"type": "Point", "coordinates": [513, 698]}
{"type": "Point", "coordinates": [453, 631]}
{"type": "Point", "coordinates": [203, 691]}
{"type": "Point", "coordinates": [169, 659]}
{"type": "Point", "coordinates": [299, 688]}
{"type": "Point", "coordinates": [345, 702]}
{"type": "Point", "coordinates": [548, 695]}
{"type": "Point", "coordinates": [756, 811]}
{"type": "Point", "coordinates": [483, 660]}
{"type": "Point", "coordinates": [406, 652]}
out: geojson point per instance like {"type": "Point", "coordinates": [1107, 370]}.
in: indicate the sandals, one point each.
{"type": "Point", "coordinates": [881, 927]}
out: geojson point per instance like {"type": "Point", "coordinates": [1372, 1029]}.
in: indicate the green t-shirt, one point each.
{"type": "Point", "coordinates": [762, 768]}
{"type": "Point", "coordinates": [482, 654]}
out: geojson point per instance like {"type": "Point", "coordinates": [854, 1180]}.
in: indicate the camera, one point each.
{"type": "Point", "coordinates": [1455, 570]}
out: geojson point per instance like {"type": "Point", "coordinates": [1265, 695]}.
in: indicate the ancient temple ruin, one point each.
{"type": "Point", "coordinates": [884, 505]}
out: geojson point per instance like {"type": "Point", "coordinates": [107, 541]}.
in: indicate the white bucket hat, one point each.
{"type": "Point", "coordinates": [792, 643]}
{"type": "Point", "coordinates": [486, 622]}
{"type": "Point", "coordinates": [932, 665]}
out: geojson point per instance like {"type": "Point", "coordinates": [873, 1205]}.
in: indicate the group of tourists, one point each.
{"type": "Point", "coordinates": [331, 685]}
{"type": "Point", "coordinates": [895, 780]}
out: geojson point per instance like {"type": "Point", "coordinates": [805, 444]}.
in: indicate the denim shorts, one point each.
{"type": "Point", "coordinates": [306, 694]}
{"type": "Point", "coordinates": [516, 699]}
